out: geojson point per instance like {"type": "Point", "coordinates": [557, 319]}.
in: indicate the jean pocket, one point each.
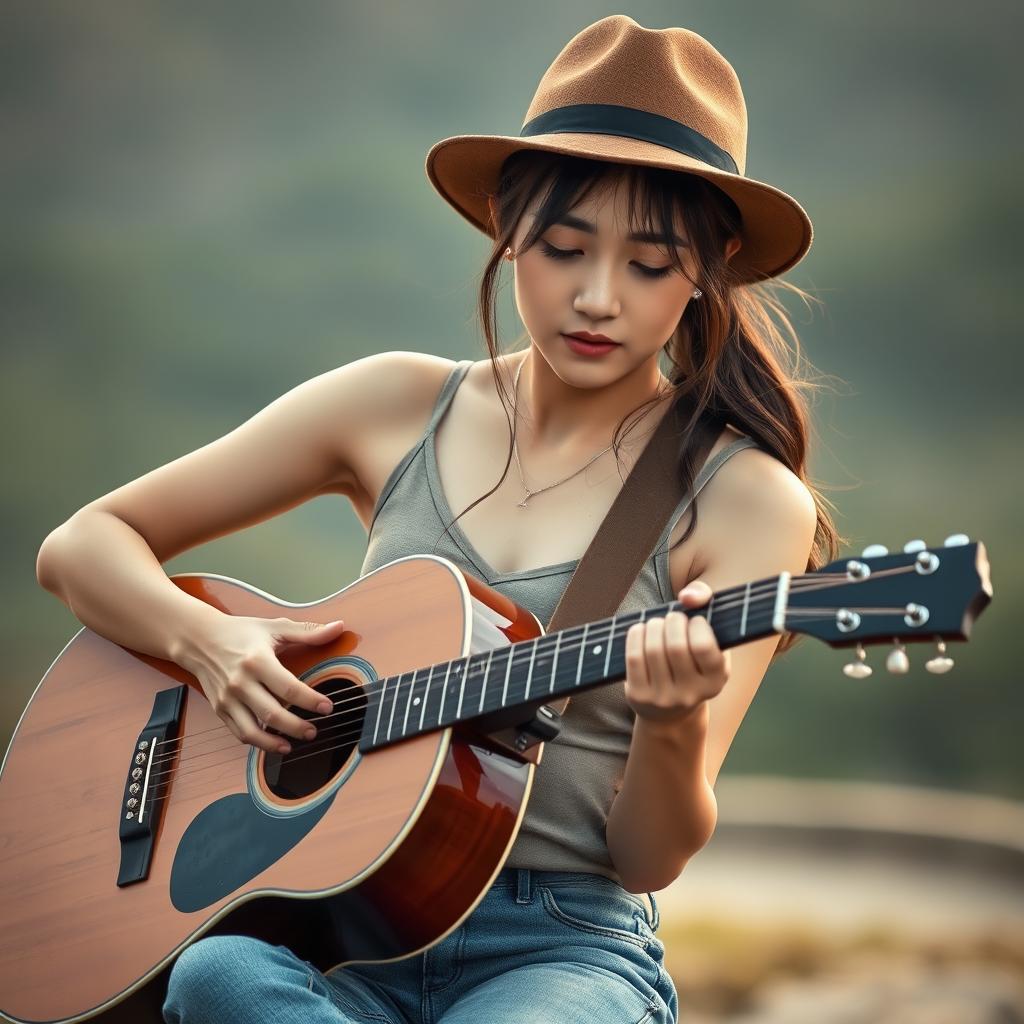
{"type": "Point", "coordinates": [596, 912]}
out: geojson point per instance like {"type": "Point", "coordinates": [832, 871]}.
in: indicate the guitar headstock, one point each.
{"type": "Point", "coordinates": [919, 595]}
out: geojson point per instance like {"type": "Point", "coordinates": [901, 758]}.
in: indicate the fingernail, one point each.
{"type": "Point", "coordinates": [309, 734]}
{"type": "Point", "coordinates": [325, 707]}
{"type": "Point", "coordinates": [284, 749]}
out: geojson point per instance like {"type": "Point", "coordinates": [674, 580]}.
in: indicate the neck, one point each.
{"type": "Point", "coordinates": [554, 413]}
{"type": "Point", "coordinates": [499, 687]}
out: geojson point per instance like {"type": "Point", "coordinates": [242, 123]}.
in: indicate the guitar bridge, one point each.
{"type": "Point", "coordinates": [145, 789]}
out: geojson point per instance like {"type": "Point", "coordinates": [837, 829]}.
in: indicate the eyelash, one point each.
{"type": "Point", "coordinates": [566, 254]}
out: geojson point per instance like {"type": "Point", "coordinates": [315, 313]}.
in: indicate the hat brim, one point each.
{"type": "Point", "coordinates": [777, 232]}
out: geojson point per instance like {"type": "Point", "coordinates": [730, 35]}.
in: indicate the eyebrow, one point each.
{"type": "Point", "coordinates": [570, 221]}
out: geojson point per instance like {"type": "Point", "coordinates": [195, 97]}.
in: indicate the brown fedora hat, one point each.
{"type": "Point", "coordinates": [628, 94]}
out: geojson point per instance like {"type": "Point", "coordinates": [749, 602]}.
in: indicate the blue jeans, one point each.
{"type": "Point", "coordinates": [541, 946]}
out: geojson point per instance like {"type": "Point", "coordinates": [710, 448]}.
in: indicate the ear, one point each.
{"type": "Point", "coordinates": [732, 247]}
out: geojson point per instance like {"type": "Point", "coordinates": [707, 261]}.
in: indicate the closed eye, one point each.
{"type": "Point", "coordinates": [567, 254]}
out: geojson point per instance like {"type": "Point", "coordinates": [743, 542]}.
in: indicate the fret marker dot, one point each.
{"type": "Point", "coordinates": [597, 649]}
{"type": "Point", "coordinates": [415, 703]}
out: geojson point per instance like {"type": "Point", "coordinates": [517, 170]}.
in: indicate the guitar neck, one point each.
{"type": "Point", "coordinates": [496, 683]}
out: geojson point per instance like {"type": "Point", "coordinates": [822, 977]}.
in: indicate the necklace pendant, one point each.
{"type": "Point", "coordinates": [529, 495]}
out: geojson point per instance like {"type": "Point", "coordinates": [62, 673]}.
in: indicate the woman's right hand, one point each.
{"type": "Point", "coordinates": [237, 666]}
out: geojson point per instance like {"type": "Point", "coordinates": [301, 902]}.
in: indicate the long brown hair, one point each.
{"type": "Point", "coordinates": [734, 354]}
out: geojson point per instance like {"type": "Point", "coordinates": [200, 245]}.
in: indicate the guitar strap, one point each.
{"type": "Point", "coordinates": [627, 535]}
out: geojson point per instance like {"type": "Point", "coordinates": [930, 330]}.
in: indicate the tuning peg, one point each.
{"type": "Point", "coordinates": [913, 546]}
{"type": "Point", "coordinates": [897, 661]}
{"type": "Point", "coordinates": [874, 551]}
{"type": "Point", "coordinates": [956, 540]}
{"type": "Point", "coordinates": [941, 662]}
{"type": "Point", "coordinates": [858, 669]}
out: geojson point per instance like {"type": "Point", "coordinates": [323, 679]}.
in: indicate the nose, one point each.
{"type": "Point", "coordinates": [597, 297]}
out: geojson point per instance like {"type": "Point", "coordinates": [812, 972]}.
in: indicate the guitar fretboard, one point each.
{"type": "Point", "coordinates": [547, 667]}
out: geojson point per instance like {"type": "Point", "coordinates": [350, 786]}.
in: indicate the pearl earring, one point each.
{"type": "Point", "coordinates": [697, 293]}
{"type": "Point", "coordinates": [508, 254]}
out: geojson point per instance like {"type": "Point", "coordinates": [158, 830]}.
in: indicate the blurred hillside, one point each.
{"type": "Point", "coordinates": [207, 203]}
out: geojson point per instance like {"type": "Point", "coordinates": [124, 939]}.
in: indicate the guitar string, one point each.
{"type": "Point", "coordinates": [296, 755]}
{"type": "Point", "coordinates": [808, 581]}
{"type": "Point", "coordinates": [805, 583]}
{"type": "Point", "coordinates": [361, 699]}
{"type": "Point", "coordinates": [331, 733]}
{"type": "Point", "coordinates": [288, 759]}
{"type": "Point", "coordinates": [566, 647]}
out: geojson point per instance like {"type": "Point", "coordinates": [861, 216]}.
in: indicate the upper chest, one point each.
{"type": "Point", "coordinates": [469, 463]}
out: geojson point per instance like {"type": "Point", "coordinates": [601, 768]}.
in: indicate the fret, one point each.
{"type": "Point", "coordinates": [608, 656]}
{"type": "Point", "coordinates": [395, 690]}
{"type": "Point", "coordinates": [408, 703]}
{"type": "Point", "coordinates": [380, 706]}
{"type": "Point", "coordinates": [781, 600]}
{"type": "Point", "coordinates": [444, 691]}
{"type": "Point", "coordinates": [426, 696]}
{"type": "Point", "coordinates": [616, 667]}
{"type": "Point", "coordinates": [583, 648]}
{"type": "Point", "coordinates": [743, 615]}
{"type": "Point", "coordinates": [483, 682]}
{"type": "Point", "coordinates": [508, 670]}
{"type": "Point", "coordinates": [463, 676]}
{"type": "Point", "coordinates": [554, 662]}
{"type": "Point", "coordinates": [457, 679]}
{"type": "Point", "coordinates": [711, 608]}
{"type": "Point", "coordinates": [529, 669]}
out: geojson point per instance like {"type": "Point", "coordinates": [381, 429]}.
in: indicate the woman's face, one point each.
{"type": "Point", "coordinates": [592, 277]}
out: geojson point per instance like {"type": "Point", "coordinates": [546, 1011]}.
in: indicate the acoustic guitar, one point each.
{"type": "Point", "coordinates": [132, 822]}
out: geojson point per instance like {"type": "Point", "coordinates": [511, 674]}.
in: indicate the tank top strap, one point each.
{"type": "Point", "coordinates": [441, 403]}
{"type": "Point", "coordinates": [446, 394]}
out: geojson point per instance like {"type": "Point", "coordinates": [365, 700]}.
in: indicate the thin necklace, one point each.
{"type": "Point", "coordinates": [515, 451]}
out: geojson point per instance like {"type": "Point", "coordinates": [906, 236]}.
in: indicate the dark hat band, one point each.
{"type": "Point", "coordinates": [630, 123]}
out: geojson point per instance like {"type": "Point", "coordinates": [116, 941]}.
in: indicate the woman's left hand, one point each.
{"type": "Point", "coordinates": [674, 663]}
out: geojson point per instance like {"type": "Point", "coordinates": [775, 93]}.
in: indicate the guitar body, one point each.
{"type": "Point", "coordinates": [342, 857]}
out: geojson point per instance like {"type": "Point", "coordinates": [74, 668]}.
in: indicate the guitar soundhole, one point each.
{"type": "Point", "coordinates": [311, 765]}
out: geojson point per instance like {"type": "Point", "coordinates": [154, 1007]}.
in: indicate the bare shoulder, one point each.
{"type": "Point", "coordinates": [392, 395]}
{"type": "Point", "coordinates": [758, 513]}
{"type": "Point", "coordinates": [385, 379]}
{"type": "Point", "coordinates": [755, 517]}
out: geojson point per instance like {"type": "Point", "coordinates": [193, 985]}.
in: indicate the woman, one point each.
{"type": "Point", "coordinates": [624, 212]}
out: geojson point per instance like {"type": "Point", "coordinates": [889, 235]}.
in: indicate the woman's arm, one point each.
{"type": "Point", "coordinates": [105, 561]}
{"type": "Point", "coordinates": [762, 522]}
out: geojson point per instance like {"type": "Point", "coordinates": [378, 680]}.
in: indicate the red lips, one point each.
{"type": "Point", "coordinates": [594, 339]}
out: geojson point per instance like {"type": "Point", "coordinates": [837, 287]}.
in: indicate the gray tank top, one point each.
{"type": "Point", "coordinates": [563, 828]}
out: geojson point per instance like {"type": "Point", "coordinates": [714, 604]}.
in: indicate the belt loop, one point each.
{"type": "Point", "coordinates": [655, 916]}
{"type": "Point", "coordinates": [523, 893]}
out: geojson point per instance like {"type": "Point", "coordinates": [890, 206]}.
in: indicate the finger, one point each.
{"type": "Point", "coordinates": [658, 671]}
{"type": "Point", "coordinates": [707, 656]}
{"type": "Point", "coordinates": [695, 594]}
{"type": "Point", "coordinates": [270, 714]}
{"type": "Point", "coordinates": [677, 646]}
{"type": "Point", "coordinates": [290, 690]}
{"type": "Point", "coordinates": [296, 631]}
{"type": "Point", "coordinates": [249, 731]}
{"type": "Point", "coordinates": [636, 663]}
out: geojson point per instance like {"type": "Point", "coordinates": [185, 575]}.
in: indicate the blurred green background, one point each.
{"type": "Point", "coordinates": [205, 203]}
